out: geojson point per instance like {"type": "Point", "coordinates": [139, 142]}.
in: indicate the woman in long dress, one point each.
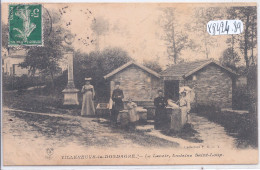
{"type": "Point", "coordinates": [183, 106]}
{"type": "Point", "coordinates": [88, 95]}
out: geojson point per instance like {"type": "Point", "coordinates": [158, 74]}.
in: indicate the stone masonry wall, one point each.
{"type": "Point", "coordinates": [137, 84]}
{"type": "Point", "coordinates": [212, 85]}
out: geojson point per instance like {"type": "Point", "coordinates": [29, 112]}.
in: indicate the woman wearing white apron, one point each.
{"type": "Point", "coordinates": [184, 108]}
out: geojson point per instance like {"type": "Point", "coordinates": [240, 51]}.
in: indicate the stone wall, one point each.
{"type": "Point", "coordinates": [136, 83]}
{"type": "Point", "coordinates": [212, 85]}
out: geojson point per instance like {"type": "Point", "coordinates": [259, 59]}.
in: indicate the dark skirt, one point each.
{"type": "Point", "coordinates": [161, 119]}
{"type": "Point", "coordinates": [119, 105]}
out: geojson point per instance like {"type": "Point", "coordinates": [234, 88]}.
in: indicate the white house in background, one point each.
{"type": "Point", "coordinates": [10, 63]}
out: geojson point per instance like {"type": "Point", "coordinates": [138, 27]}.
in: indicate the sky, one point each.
{"type": "Point", "coordinates": [132, 27]}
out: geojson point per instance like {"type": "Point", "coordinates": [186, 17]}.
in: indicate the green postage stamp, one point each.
{"type": "Point", "coordinates": [25, 24]}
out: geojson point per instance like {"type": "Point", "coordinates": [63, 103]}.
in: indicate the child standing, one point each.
{"type": "Point", "coordinates": [133, 117]}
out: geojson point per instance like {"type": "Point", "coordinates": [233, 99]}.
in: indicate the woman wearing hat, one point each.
{"type": "Point", "coordinates": [88, 95]}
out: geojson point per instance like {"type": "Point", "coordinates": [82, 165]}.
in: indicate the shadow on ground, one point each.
{"type": "Point", "coordinates": [186, 133]}
{"type": "Point", "coordinates": [85, 131]}
{"type": "Point", "coordinates": [139, 137]}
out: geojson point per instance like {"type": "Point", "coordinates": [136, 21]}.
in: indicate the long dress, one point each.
{"type": "Point", "coordinates": [133, 116]}
{"type": "Point", "coordinates": [184, 110]}
{"type": "Point", "coordinates": [160, 119]}
{"type": "Point", "coordinates": [118, 105]}
{"type": "Point", "coordinates": [87, 103]}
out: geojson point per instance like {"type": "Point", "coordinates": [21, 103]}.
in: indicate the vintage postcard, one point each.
{"type": "Point", "coordinates": [129, 83]}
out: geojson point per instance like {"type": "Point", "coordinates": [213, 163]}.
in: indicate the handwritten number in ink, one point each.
{"type": "Point", "coordinates": [225, 27]}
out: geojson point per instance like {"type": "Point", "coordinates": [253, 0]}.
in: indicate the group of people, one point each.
{"type": "Point", "coordinates": [161, 103]}
{"type": "Point", "coordinates": [117, 105]}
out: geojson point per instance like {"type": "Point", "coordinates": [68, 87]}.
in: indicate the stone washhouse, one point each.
{"type": "Point", "coordinates": [213, 84]}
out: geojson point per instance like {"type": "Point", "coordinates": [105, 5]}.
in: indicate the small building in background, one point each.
{"type": "Point", "coordinates": [213, 84]}
{"type": "Point", "coordinates": [137, 82]}
{"type": "Point", "coordinates": [10, 64]}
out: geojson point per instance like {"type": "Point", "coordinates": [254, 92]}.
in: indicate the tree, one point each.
{"type": "Point", "coordinates": [176, 41]}
{"type": "Point", "coordinates": [247, 43]}
{"type": "Point", "coordinates": [231, 42]}
{"type": "Point", "coordinates": [202, 16]}
{"type": "Point", "coordinates": [230, 58]}
{"type": "Point", "coordinates": [253, 35]}
{"type": "Point", "coordinates": [96, 65]}
{"type": "Point", "coordinates": [153, 65]}
{"type": "Point", "coordinates": [46, 58]}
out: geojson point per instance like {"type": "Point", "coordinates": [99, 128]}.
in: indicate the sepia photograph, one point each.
{"type": "Point", "coordinates": [129, 83]}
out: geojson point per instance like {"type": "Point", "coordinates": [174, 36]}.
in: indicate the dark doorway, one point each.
{"type": "Point", "coordinates": [171, 89]}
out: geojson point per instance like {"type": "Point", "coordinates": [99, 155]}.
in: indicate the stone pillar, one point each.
{"type": "Point", "coordinates": [70, 92]}
{"type": "Point", "coordinates": [175, 116]}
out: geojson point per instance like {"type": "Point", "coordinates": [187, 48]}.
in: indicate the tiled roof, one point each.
{"type": "Point", "coordinates": [129, 64]}
{"type": "Point", "coordinates": [187, 69]}
{"type": "Point", "coordinates": [176, 71]}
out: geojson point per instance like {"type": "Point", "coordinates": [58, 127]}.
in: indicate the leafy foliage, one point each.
{"type": "Point", "coordinates": [203, 15]}
{"type": "Point", "coordinates": [247, 44]}
{"type": "Point", "coordinates": [153, 65]}
{"type": "Point", "coordinates": [95, 65]}
{"type": "Point", "coordinates": [176, 41]}
{"type": "Point", "coordinates": [98, 64]}
{"type": "Point", "coordinates": [247, 41]}
{"type": "Point", "coordinates": [46, 58]}
{"type": "Point", "coordinates": [230, 58]}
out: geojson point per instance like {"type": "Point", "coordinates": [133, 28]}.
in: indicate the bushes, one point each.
{"type": "Point", "coordinates": [205, 109]}
{"type": "Point", "coordinates": [19, 83]}
{"type": "Point", "coordinates": [241, 99]}
{"type": "Point", "coordinates": [244, 99]}
{"type": "Point", "coordinates": [245, 94]}
{"type": "Point", "coordinates": [101, 86]}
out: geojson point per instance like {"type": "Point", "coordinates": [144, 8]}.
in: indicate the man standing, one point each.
{"type": "Point", "coordinates": [118, 104]}
{"type": "Point", "coordinates": [160, 104]}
